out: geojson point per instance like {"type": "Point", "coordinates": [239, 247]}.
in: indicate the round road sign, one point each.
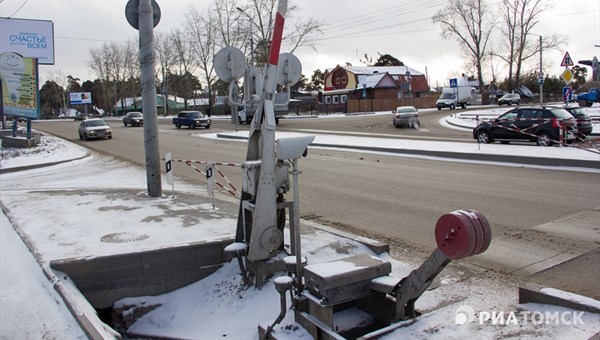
{"type": "Point", "coordinates": [131, 13]}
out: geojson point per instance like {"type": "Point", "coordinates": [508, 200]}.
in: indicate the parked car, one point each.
{"type": "Point", "coordinates": [133, 119]}
{"type": "Point", "coordinates": [538, 124]}
{"type": "Point", "coordinates": [94, 128]}
{"type": "Point", "coordinates": [406, 116]}
{"type": "Point", "coordinates": [584, 121]}
{"type": "Point", "coordinates": [191, 119]}
{"type": "Point", "coordinates": [80, 116]}
{"type": "Point", "coordinates": [509, 99]}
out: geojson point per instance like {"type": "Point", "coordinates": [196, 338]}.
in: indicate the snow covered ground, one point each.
{"type": "Point", "coordinates": [65, 210]}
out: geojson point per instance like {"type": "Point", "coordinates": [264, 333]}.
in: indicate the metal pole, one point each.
{"type": "Point", "coordinates": [297, 246]}
{"type": "Point", "coordinates": [541, 73]}
{"type": "Point", "coordinates": [146, 36]}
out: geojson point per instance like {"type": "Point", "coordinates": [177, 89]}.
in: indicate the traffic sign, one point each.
{"type": "Point", "coordinates": [169, 168]}
{"type": "Point", "coordinates": [567, 75]}
{"type": "Point", "coordinates": [567, 94]}
{"type": "Point", "coordinates": [453, 82]}
{"type": "Point", "coordinates": [567, 61]}
{"type": "Point", "coordinates": [131, 13]}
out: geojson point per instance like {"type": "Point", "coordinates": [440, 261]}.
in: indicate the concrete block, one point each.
{"type": "Point", "coordinates": [104, 280]}
{"type": "Point", "coordinates": [534, 293]}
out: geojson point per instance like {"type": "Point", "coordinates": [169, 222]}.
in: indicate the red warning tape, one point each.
{"type": "Point", "coordinates": [231, 190]}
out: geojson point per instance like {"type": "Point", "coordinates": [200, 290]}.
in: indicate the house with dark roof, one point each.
{"type": "Point", "coordinates": [344, 83]}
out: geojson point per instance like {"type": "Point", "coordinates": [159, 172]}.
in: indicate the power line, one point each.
{"type": "Point", "coordinates": [18, 9]}
{"type": "Point", "coordinates": [87, 39]}
{"type": "Point", "coordinates": [382, 15]}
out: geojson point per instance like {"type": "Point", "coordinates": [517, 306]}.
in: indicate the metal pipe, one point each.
{"type": "Point", "coordinates": [282, 285]}
{"type": "Point", "coordinates": [151, 147]}
{"type": "Point", "coordinates": [297, 245]}
{"type": "Point", "coordinates": [541, 75]}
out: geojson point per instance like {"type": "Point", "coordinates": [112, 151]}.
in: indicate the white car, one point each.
{"type": "Point", "coordinates": [406, 116]}
{"type": "Point", "coordinates": [509, 99]}
{"type": "Point", "coordinates": [94, 128]}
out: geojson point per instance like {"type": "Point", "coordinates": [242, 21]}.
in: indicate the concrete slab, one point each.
{"type": "Point", "coordinates": [582, 226]}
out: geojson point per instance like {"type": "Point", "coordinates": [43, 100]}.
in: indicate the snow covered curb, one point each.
{"type": "Point", "coordinates": [534, 293]}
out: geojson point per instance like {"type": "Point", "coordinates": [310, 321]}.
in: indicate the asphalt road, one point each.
{"type": "Point", "coordinates": [394, 199]}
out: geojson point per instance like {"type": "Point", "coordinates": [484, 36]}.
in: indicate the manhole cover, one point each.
{"type": "Point", "coordinates": [123, 237]}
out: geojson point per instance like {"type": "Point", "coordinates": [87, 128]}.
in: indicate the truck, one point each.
{"type": "Point", "coordinates": [246, 114]}
{"type": "Point", "coordinates": [191, 119]}
{"type": "Point", "coordinates": [452, 97]}
{"type": "Point", "coordinates": [589, 98]}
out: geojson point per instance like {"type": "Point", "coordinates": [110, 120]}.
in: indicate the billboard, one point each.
{"type": "Point", "coordinates": [76, 98]}
{"type": "Point", "coordinates": [29, 38]}
{"type": "Point", "coordinates": [18, 78]}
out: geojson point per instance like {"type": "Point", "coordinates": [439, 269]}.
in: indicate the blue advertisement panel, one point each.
{"type": "Point", "coordinates": [77, 98]}
{"type": "Point", "coordinates": [19, 79]}
{"type": "Point", "coordinates": [29, 38]}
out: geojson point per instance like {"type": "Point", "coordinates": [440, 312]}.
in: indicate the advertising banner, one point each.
{"type": "Point", "coordinates": [19, 79]}
{"type": "Point", "coordinates": [76, 98]}
{"type": "Point", "coordinates": [29, 38]}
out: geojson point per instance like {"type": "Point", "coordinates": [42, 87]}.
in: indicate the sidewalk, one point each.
{"type": "Point", "coordinates": [96, 206]}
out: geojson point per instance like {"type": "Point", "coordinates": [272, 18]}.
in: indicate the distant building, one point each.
{"type": "Point", "coordinates": [371, 82]}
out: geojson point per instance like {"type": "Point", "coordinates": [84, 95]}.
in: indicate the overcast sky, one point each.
{"type": "Point", "coordinates": [401, 28]}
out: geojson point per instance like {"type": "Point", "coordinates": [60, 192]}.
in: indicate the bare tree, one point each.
{"type": "Point", "coordinates": [166, 59]}
{"type": "Point", "coordinates": [202, 34]}
{"type": "Point", "coordinates": [520, 18]}
{"type": "Point", "coordinates": [300, 31]}
{"type": "Point", "coordinates": [183, 58]}
{"type": "Point", "coordinates": [132, 68]}
{"type": "Point", "coordinates": [471, 24]}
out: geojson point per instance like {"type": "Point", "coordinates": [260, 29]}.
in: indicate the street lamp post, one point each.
{"type": "Point", "coordinates": [541, 74]}
{"type": "Point", "coordinates": [250, 35]}
{"type": "Point", "coordinates": [541, 71]}
{"type": "Point", "coordinates": [408, 78]}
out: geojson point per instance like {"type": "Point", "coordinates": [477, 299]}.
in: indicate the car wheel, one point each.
{"type": "Point", "coordinates": [80, 136]}
{"type": "Point", "coordinates": [484, 137]}
{"type": "Point", "coordinates": [85, 137]}
{"type": "Point", "coordinates": [544, 139]}
{"type": "Point", "coordinates": [109, 137]}
{"type": "Point", "coordinates": [519, 103]}
{"type": "Point", "coordinates": [124, 123]}
{"type": "Point", "coordinates": [583, 103]}
{"type": "Point", "coordinates": [178, 126]}
{"type": "Point", "coordinates": [439, 108]}
{"type": "Point", "coordinates": [208, 126]}
{"type": "Point", "coordinates": [193, 126]}
{"type": "Point", "coordinates": [452, 107]}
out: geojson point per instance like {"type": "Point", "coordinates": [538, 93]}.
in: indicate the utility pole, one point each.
{"type": "Point", "coordinates": [541, 80]}
{"type": "Point", "coordinates": [146, 36]}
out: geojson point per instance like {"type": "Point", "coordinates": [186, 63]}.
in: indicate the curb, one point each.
{"type": "Point", "coordinates": [457, 155]}
{"type": "Point", "coordinates": [41, 165]}
{"type": "Point", "coordinates": [83, 319]}
{"type": "Point", "coordinates": [534, 293]}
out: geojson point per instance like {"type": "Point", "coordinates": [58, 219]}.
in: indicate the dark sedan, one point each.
{"type": "Point", "coordinates": [584, 121]}
{"type": "Point", "coordinates": [133, 119]}
{"type": "Point", "coordinates": [544, 125]}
